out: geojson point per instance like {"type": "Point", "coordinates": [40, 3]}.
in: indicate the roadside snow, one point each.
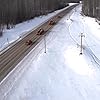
{"type": "Point", "coordinates": [61, 73]}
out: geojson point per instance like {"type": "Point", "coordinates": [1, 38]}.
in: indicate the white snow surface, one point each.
{"type": "Point", "coordinates": [61, 73]}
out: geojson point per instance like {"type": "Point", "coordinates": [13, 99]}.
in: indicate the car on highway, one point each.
{"type": "Point", "coordinates": [59, 16]}
{"type": "Point", "coordinates": [29, 42]}
{"type": "Point", "coordinates": [40, 31]}
{"type": "Point", "coordinates": [51, 22]}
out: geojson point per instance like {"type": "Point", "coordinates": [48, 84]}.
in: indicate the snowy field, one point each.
{"type": "Point", "coordinates": [61, 73]}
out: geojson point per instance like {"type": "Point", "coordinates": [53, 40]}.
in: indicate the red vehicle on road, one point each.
{"type": "Point", "coordinates": [40, 31]}
{"type": "Point", "coordinates": [51, 22]}
{"type": "Point", "coordinates": [29, 42]}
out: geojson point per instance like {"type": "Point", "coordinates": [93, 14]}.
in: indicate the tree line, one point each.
{"type": "Point", "coordinates": [91, 8]}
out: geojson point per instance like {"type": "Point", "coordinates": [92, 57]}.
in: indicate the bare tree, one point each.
{"type": "Point", "coordinates": [91, 8]}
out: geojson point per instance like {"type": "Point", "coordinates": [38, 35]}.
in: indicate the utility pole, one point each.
{"type": "Point", "coordinates": [45, 43]}
{"type": "Point", "coordinates": [8, 40]}
{"type": "Point", "coordinates": [82, 35]}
